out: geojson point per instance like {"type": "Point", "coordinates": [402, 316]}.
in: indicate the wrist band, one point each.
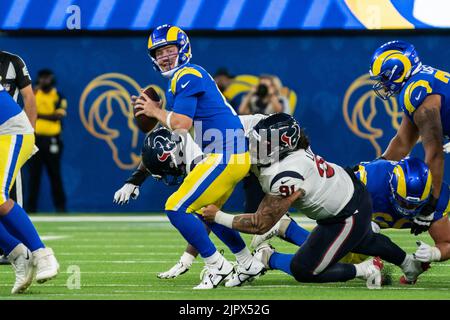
{"type": "Point", "coordinates": [169, 115]}
{"type": "Point", "coordinates": [224, 219]}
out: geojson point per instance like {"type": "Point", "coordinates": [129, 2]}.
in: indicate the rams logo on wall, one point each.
{"type": "Point", "coordinates": [107, 114]}
{"type": "Point", "coordinates": [367, 115]}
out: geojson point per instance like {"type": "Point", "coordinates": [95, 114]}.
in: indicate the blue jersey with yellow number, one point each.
{"type": "Point", "coordinates": [427, 81]}
{"type": "Point", "coordinates": [375, 175]}
{"type": "Point", "coordinates": [193, 93]}
{"type": "Point", "coordinates": [8, 107]}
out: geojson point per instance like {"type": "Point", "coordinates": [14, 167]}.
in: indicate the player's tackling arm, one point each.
{"type": "Point", "coordinates": [270, 210]}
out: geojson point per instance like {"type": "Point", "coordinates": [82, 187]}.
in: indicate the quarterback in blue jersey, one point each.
{"type": "Point", "coordinates": [193, 100]}
{"type": "Point", "coordinates": [424, 96]}
{"type": "Point", "coordinates": [398, 191]}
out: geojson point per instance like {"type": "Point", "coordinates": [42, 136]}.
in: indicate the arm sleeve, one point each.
{"type": "Point", "coordinates": [443, 205]}
{"type": "Point", "coordinates": [414, 95]}
{"type": "Point", "coordinates": [187, 90]}
{"type": "Point", "coordinates": [285, 183]}
{"type": "Point", "coordinates": [23, 78]}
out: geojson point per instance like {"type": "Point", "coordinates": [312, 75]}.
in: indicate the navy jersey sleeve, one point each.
{"type": "Point", "coordinates": [186, 87]}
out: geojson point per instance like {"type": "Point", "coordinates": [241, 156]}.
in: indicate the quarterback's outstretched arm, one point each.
{"type": "Point", "coordinates": [270, 210]}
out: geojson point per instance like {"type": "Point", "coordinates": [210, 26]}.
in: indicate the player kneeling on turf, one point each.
{"type": "Point", "coordinates": [291, 174]}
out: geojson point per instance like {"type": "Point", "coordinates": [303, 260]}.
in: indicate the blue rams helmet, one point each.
{"type": "Point", "coordinates": [410, 184]}
{"type": "Point", "coordinates": [392, 65]}
{"type": "Point", "coordinates": [162, 154]}
{"type": "Point", "coordinates": [274, 137]}
{"type": "Point", "coordinates": [169, 35]}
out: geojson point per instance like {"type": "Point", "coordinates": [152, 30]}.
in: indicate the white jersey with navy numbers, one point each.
{"type": "Point", "coordinates": [328, 188]}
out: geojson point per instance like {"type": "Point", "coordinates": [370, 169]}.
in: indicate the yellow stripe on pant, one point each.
{"type": "Point", "coordinates": [15, 150]}
{"type": "Point", "coordinates": [211, 182]}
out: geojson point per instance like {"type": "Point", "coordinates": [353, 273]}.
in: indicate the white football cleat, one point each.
{"type": "Point", "coordinates": [250, 271]}
{"type": "Point", "coordinates": [213, 274]}
{"type": "Point", "coordinates": [21, 260]}
{"type": "Point", "coordinates": [263, 254]}
{"type": "Point", "coordinates": [412, 271]}
{"type": "Point", "coordinates": [47, 267]}
{"type": "Point", "coordinates": [372, 272]}
{"type": "Point", "coordinates": [177, 270]}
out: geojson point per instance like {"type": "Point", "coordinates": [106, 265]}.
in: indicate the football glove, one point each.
{"type": "Point", "coordinates": [179, 268]}
{"type": "Point", "coordinates": [122, 196]}
{"type": "Point", "coordinates": [422, 222]}
{"type": "Point", "coordinates": [427, 253]}
{"type": "Point", "coordinates": [446, 147]}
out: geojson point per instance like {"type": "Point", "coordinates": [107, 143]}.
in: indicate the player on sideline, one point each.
{"type": "Point", "coordinates": [424, 96]}
{"type": "Point", "coordinates": [195, 101]}
{"type": "Point", "coordinates": [398, 191]}
{"type": "Point", "coordinates": [291, 174]}
{"type": "Point", "coordinates": [18, 237]}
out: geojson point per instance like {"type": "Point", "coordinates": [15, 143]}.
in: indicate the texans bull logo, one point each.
{"type": "Point", "coordinates": [165, 149]}
{"type": "Point", "coordinates": [290, 137]}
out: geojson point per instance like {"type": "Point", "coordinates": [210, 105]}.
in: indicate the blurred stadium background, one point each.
{"type": "Point", "coordinates": [320, 49]}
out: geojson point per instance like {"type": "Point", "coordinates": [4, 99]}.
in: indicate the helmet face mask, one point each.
{"type": "Point", "coordinates": [410, 184]}
{"type": "Point", "coordinates": [166, 35]}
{"type": "Point", "coordinates": [392, 65]}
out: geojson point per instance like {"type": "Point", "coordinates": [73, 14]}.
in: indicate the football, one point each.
{"type": "Point", "coordinates": [147, 124]}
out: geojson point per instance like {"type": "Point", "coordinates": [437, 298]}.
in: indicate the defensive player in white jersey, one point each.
{"type": "Point", "coordinates": [292, 175]}
{"type": "Point", "coordinates": [19, 239]}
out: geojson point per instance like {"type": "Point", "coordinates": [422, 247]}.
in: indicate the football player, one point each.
{"type": "Point", "coordinates": [19, 239]}
{"type": "Point", "coordinates": [292, 175]}
{"type": "Point", "coordinates": [424, 96]}
{"type": "Point", "coordinates": [170, 158]}
{"type": "Point", "coordinates": [194, 101]}
{"type": "Point", "coordinates": [398, 191]}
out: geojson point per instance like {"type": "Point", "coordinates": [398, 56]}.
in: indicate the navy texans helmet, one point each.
{"type": "Point", "coordinates": [273, 138]}
{"type": "Point", "coordinates": [161, 155]}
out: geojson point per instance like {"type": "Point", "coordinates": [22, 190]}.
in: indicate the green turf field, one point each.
{"type": "Point", "coordinates": [120, 260]}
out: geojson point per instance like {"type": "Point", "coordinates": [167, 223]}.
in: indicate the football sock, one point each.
{"type": "Point", "coordinates": [231, 238]}
{"type": "Point", "coordinates": [20, 226]}
{"type": "Point", "coordinates": [281, 261]}
{"type": "Point", "coordinates": [193, 231]}
{"type": "Point", "coordinates": [243, 256]}
{"type": "Point", "coordinates": [7, 241]}
{"type": "Point", "coordinates": [295, 234]}
{"type": "Point", "coordinates": [216, 256]}
{"type": "Point", "coordinates": [187, 258]}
